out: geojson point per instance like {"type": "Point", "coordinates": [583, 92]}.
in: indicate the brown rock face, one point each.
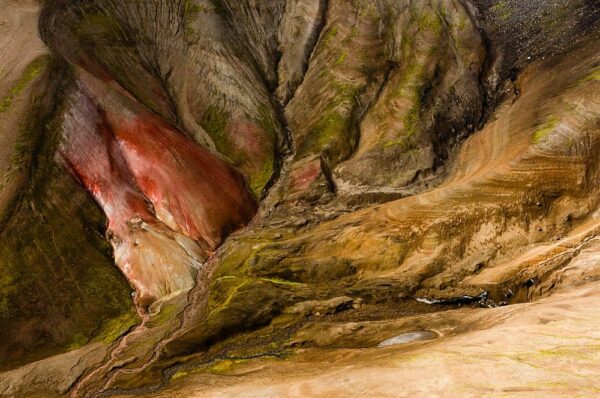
{"type": "Point", "coordinates": [318, 178]}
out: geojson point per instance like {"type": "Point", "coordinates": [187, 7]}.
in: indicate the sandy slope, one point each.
{"type": "Point", "coordinates": [543, 349]}
{"type": "Point", "coordinates": [20, 45]}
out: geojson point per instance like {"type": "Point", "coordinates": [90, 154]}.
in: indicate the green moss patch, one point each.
{"type": "Point", "coordinates": [59, 285]}
{"type": "Point", "coordinates": [329, 35]}
{"type": "Point", "coordinates": [99, 23]}
{"type": "Point", "coordinates": [214, 122]}
{"type": "Point", "coordinates": [334, 129]}
{"type": "Point", "coordinates": [283, 282]}
{"type": "Point", "coordinates": [593, 76]}
{"type": "Point", "coordinates": [544, 130]}
{"type": "Point", "coordinates": [502, 10]}
{"type": "Point", "coordinates": [33, 70]}
{"type": "Point", "coordinates": [116, 327]}
{"type": "Point", "coordinates": [341, 58]}
{"type": "Point", "coordinates": [259, 170]}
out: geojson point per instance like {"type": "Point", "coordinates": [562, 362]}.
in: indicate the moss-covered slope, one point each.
{"type": "Point", "coordinates": [58, 287]}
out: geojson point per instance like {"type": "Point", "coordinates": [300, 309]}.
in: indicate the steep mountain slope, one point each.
{"type": "Point", "coordinates": [270, 176]}
{"type": "Point", "coordinates": [58, 288]}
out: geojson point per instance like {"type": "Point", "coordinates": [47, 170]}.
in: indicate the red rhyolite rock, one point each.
{"type": "Point", "coordinates": [169, 202]}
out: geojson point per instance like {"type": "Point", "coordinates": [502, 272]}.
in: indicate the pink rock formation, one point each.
{"type": "Point", "coordinates": [169, 202]}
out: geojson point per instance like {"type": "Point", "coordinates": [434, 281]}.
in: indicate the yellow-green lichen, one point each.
{"type": "Point", "coordinates": [33, 70]}
{"type": "Point", "coordinates": [225, 365]}
{"type": "Point", "coordinates": [218, 366]}
{"type": "Point", "coordinates": [462, 23]}
{"type": "Point", "coordinates": [409, 87]}
{"type": "Point", "coordinates": [190, 10]}
{"type": "Point", "coordinates": [593, 76]}
{"type": "Point", "coordinates": [223, 293]}
{"type": "Point", "coordinates": [282, 282]}
{"type": "Point", "coordinates": [78, 341]}
{"type": "Point", "coordinates": [330, 127]}
{"type": "Point", "coordinates": [181, 373]}
{"type": "Point", "coordinates": [431, 22]}
{"type": "Point", "coordinates": [262, 178]}
{"type": "Point", "coordinates": [544, 130]}
{"type": "Point", "coordinates": [190, 7]}
{"type": "Point", "coordinates": [333, 129]}
{"type": "Point", "coordinates": [352, 35]}
{"type": "Point", "coordinates": [116, 327]}
{"type": "Point", "coordinates": [341, 58]}
{"type": "Point", "coordinates": [412, 119]}
{"type": "Point", "coordinates": [502, 9]}
{"type": "Point", "coordinates": [214, 122]}
{"type": "Point", "coordinates": [264, 173]}
{"type": "Point", "coordinates": [99, 23]}
{"type": "Point", "coordinates": [258, 167]}
{"type": "Point", "coordinates": [329, 35]}
{"type": "Point", "coordinates": [235, 260]}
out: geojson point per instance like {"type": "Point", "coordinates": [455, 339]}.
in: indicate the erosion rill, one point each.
{"type": "Point", "coordinates": [299, 198]}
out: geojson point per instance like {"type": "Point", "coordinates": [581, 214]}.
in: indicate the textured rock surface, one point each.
{"type": "Point", "coordinates": [168, 202]}
{"type": "Point", "coordinates": [58, 287]}
{"type": "Point", "coordinates": [20, 71]}
{"type": "Point", "coordinates": [298, 178]}
{"type": "Point", "coordinates": [189, 62]}
{"type": "Point", "coordinates": [534, 350]}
